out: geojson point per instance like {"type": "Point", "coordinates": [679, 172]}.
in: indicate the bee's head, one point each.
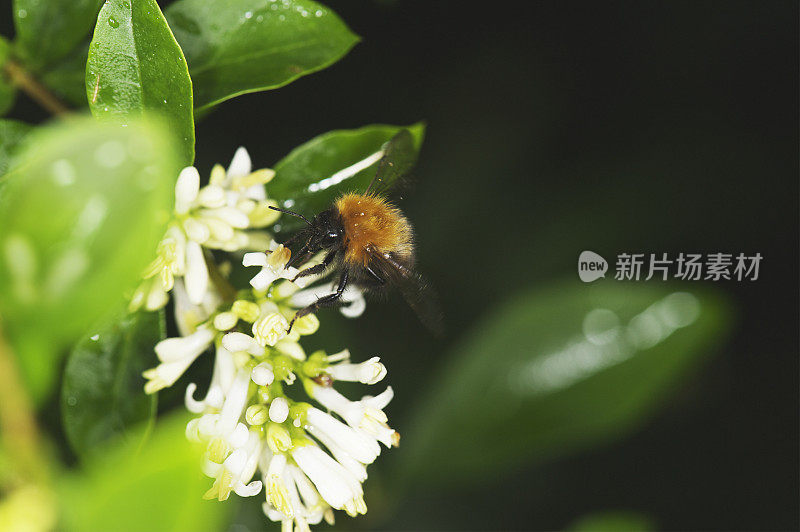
{"type": "Point", "coordinates": [326, 230]}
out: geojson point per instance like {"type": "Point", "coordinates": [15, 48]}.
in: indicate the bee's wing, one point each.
{"type": "Point", "coordinates": [399, 156]}
{"type": "Point", "coordinates": [415, 290]}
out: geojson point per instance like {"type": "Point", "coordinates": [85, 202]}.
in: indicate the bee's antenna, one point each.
{"type": "Point", "coordinates": [290, 212]}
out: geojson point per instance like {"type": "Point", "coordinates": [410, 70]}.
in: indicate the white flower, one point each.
{"type": "Point", "coordinates": [189, 316]}
{"type": "Point", "coordinates": [273, 267]}
{"type": "Point", "coordinates": [368, 372]}
{"type": "Point", "coordinates": [366, 415]}
{"type": "Point", "coordinates": [236, 341]}
{"type": "Point", "coordinates": [176, 355]}
{"type": "Point", "coordinates": [270, 328]}
{"type": "Point", "coordinates": [232, 451]}
{"type": "Point", "coordinates": [360, 446]}
{"type": "Point", "coordinates": [353, 302]}
{"type": "Point", "coordinates": [221, 381]}
{"type": "Point", "coordinates": [236, 472]}
{"type": "Point", "coordinates": [336, 484]}
{"type": "Point", "coordinates": [160, 275]}
{"type": "Point", "coordinates": [196, 273]}
{"type": "Point", "coordinates": [220, 215]}
{"type": "Point", "coordinates": [291, 496]}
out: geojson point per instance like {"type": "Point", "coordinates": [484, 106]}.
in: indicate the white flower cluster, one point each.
{"type": "Point", "coordinates": [309, 459]}
{"type": "Point", "coordinates": [219, 215]}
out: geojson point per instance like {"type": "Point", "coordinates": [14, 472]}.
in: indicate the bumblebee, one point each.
{"type": "Point", "coordinates": [368, 241]}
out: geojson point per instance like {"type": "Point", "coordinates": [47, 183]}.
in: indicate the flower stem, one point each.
{"type": "Point", "coordinates": [35, 90]}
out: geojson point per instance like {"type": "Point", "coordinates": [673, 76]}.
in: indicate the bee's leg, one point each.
{"type": "Point", "coordinates": [303, 255]}
{"type": "Point", "coordinates": [324, 301]}
{"type": "Point", "coordinates": [375, 276]}
{"type": "Point", "coordinates": [318, 268]}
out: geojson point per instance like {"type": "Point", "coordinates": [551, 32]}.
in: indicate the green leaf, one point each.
{"type": "Point", "coordinates": [158, 487]}
{"type": "Point", "coordinates": [67, 78]}
{"type": "Point", "coordinates": [103, 391]}
{"type": "Point", "coordinates": [80, 217]}
{"type": "Point", "coordinates": [301, 178]}
{"type": "Point", "coordinates": [12, 133]}
{"type": "Point", "coordinates": [7, 90]}
{"type": "Point", "coordinates": [613, 522]}
{"type": "Point", "coordinates": [8, 94]}
{"type": "Point", "coordinates": [238, 46]}
{"type": "Point", "coordinates": [554, 371]}
{"type": "Point", "coordinates": [135, 65]}
{"type": "Point", "coordinates": [47, 30]}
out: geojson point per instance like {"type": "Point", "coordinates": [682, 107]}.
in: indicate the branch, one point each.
{"type": "Point", "coordinates": [37, 92]}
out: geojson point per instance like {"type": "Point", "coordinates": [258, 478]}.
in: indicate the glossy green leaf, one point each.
{"type": "Point", "coordinates": [47, 30]}
{"type": "Point", "coordinates": [12, 132]}
{"type": "Point", "coordinates": [135, 65]}
{"type": "Point", "coordinates": [554, 371]}
{"type": "Point", "coordinates": [157, 487]}
{"type": "Point", "coordinates": [80, 216]}
{"type": "Point", "coordinates": [613, 522]}
{"type": "Point", "coordinates": [238, 46]}
{"type": "Point", "coordinates": [303, 178]}
{"type": "Point", "coordinates": [102, 395]}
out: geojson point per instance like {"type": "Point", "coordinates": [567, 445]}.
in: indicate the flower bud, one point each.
{"type": "Point", "coordinates": [257, 414]}
{"type": "Point", "coordinates": [308, 324]}
{"type": "Point", "coordinates": [279, 410]}
{"type": "Point", "coordinates": [211, 196]}
{"type": "Point", "coordinates": [278, 438]}
{"type": "Point", "coordinates": [225, 321]}
{"type": "Point", "coordinates": [246, 310]}
{"type": "Point", "coordinates": [218, 175]}
{"type": "Point", "coordinates": [262, 374]}
{"type": "Point", "coordinates": [268, 329]}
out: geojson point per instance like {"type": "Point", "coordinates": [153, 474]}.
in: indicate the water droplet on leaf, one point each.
{"type": "Point", "coordinates": [113, 22]}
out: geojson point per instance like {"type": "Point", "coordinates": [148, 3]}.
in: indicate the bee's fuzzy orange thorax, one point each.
{"type": "Point", "coordinates": [371, 221]}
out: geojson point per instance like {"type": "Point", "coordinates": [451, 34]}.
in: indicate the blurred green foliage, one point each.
{"type": "Point", "coordinates": [552, 371]}
{"type": "Point", "coordinates": [613, 522]}
{"type": "Point", "coordinates": [155, 487]}
{"type": "Point", "coordinates": [11, 134]}
{"type": "Point", "coordinates": [48, 30]}
{"type": "Point", "coordinates": [79, 218]}
{"type": "Point", "coordinates": [7, 90]}
{"type": "Point", "coordinates": [102, 395]}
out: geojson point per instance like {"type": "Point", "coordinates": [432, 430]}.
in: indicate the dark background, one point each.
{"type": "Point", "coordinates": [562, 126]}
